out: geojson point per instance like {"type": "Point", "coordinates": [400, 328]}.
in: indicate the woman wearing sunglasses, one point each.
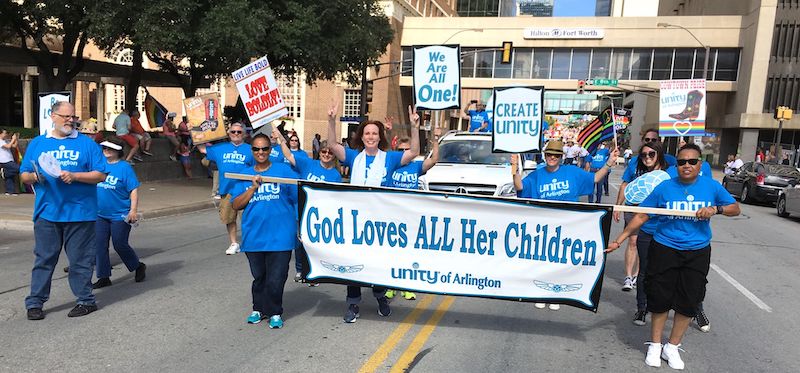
{"type": "Point", "coordinates": [370, 164]}
{"type": "Point", "coordinates": [269, 230]}
{"type": "Point", "coordinates": [679, 255]}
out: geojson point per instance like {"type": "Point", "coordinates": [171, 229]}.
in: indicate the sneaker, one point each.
{"type": "Point", "coordinates": [298, 277]}
{"type": "Point", "coordinates": [653, 357]}
{"type": "Point", "coordinates": [217, 196]}
{"type": "Point", "coordinates": [275, 322]}
{"type": "Point", "coordinates": [312, 284]}
{"type": "Point", "coordinates": [554, 307]}
{"type": "Point", "coordinates": [540, 306]}
{"type": "Point", "coordinates": [352, 314]}
{"type": "Point", "coordinates": [389, 294]}
{"type": "Point", "coordinates": [640, 318]}
{"type": "Point", "coordinates": [627, 285]}
{"type": "Point", "coordinates": [635, 281]}
{"type": "Point", "coordinates": [173, 158]}
{"type": "Point", "coordinates": [140, 273]}
{"type": "Point", "coordinates": [702, 322]}
{"type": "Point", "coordinates": [138, 158]}
{"type": "Point", "coordinates": [671, 353]}
{"type": "Point", "coordinates": [35, 314]}
{"type": "Point", "coordinates": [409, 295]}
{"type": "Point", "coordinates": [101, 283]}
{"type": "Point", "coordinates": [232, 249]}
{"type": "Point", "coordinates": [383, 307]}
{"type": "Point", "coordinates": [255, 317]}
{"type": "Point", "coordinates": [147, 153]}
{"type": "Point", "coordinates": [82, 310]}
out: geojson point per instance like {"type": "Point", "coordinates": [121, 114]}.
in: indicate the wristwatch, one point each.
{"type": "Point", "coordinates": [719, 210]}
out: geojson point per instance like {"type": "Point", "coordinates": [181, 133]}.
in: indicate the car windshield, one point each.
{"type": "Point", "coordinates": [471, 152]}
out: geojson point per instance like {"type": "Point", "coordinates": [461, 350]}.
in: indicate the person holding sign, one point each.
{"type": "Point", "coordinates": [370, 164]}
{"type": "Point", "coordinates": [680, 253]}
{"type": "Point", "coordinates": [269, 230]}
{"type": "Point", "coordinates": [557, 182]}
{"type": "Point", "coordinates": [478, 117]}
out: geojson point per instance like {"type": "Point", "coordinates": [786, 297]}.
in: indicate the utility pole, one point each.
{"type": "Point", "coordinates": [781, 113]}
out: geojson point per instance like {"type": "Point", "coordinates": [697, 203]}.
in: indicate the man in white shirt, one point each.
{"type": "Point", "coordinates": [8, 168]}
{"type": "Point", "coordinates": [733, 164]}
{"type": "Point", "coordinates": [571, 152]}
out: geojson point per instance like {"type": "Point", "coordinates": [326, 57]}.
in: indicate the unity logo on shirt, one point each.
{"type": "Point", "coordinates": [405, 179]}
{"type": "Point", "coordinates": [554, 189]}
{"type": "Point", "coordinates": [267, 192]}
{"type": "Point", "coordinates": [312, 177]}
{"type": "Point", "coordinates": [65, 157]}
{"type": "Point", "coordinates": [110, 183]}
{"type": "Point", "coordinates": [233, 157]}
{"type": "Point", "coordinates": [688, 205]}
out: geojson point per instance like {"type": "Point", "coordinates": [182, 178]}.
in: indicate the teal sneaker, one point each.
{"type": "Point", "coordinates": [254, 318]}
{"type": "Point", "coordinates": [275, 322]}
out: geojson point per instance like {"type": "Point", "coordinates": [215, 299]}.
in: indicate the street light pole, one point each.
{"type": "Point", "coordinates": [706, 47]}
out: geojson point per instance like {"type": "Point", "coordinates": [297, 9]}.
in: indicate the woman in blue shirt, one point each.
{"type": "Point", "coordinates": [117, 204]}
{"type": "Point", "coordinates": [680, 253]}
{"type": "Point", "coordinates": [269, 230]}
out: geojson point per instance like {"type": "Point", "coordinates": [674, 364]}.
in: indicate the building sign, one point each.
{"type": "Point", "coordinates": [517, 119]}
{"type": "Point", "coordinates": [46, 101]}
{"type": "Point", "coordinates": [259, 92]}
{"type": "Point", "coordinates": [682, 108]}
{"type": "Point", "coordinates": [563, 33]}
{"type": "Point", "coordinates": [437, 77]}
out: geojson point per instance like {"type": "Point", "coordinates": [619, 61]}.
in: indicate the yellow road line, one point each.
{"type": "Point", "coordinates": [419, 341]}
{"type": "Point", "coordinates": [393, 339]}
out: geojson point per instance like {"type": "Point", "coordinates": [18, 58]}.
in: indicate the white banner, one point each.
{"type": "Point", "coordinates": [46, 101]}
{"type": "Point", "coordinates": [461, 245]}
{"type": "Point", "coordinates": [437, 77]}
{"type": "Point", "coordinates": [682, 108]}
{"type": "Point", "coordinates": [259, 91]}
{"type": "Point", "coordinates": [517, 118]}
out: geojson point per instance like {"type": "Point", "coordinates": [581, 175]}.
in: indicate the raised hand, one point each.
{"type": "Point", "coordinates": [388, 123]}
{"type": "Point", "coordinates": [413, 116]}
{"type": "Point", "coordinates": [333, 110]}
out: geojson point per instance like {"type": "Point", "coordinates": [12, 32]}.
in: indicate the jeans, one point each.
{"type": "Point", "coordinates": [300, 258]}
{"type": "Point", "coordinates": [354, 293]}
{"type": "Point", "coordinates": [77, 238]}
{"type": "Point", "coordinates": [269, 270]}
{"type": "Point", "coordinates": [643, 241]}
{"type": "Point", "coordinates": [10, 170]}
{"type": "Point", "coordinates": [598, 188]}
{"type": "Point", "coordinates": [118, 231]}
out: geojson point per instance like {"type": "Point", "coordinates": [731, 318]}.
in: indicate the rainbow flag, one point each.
{"type": "Point", "coordinates": [155, 113]}
{"type": "Point", "coordinates": [597, 131]}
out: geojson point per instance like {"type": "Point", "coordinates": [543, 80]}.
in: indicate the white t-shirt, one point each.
{"type": "Point", "coordinates": [5, 154]}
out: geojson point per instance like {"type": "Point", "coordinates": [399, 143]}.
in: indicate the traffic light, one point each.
{"type": "Point", "coordinates": [783, 112]}
{"type": "Point", "coordinates": [581, 85]}
{"type": "Point", "coordinates": [369, 91]}
{"type": "Point", "coordinates": [507, 48]}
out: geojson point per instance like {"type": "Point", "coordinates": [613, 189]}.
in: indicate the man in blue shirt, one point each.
{"type": "Point", "coordinates": [64, 211]}
{"type": "Point", "coordinates": [230, 156]}
{"type": "Point", "coordinates": [598, 160]}
{"type": "Point", "coordinates": [478, 117]}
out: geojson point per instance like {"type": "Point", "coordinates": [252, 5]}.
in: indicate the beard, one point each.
{"type": "Point", "coordinates": [66, 131]}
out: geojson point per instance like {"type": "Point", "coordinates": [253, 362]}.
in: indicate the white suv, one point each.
{"type": "Point", "coordinates": [468, 166]}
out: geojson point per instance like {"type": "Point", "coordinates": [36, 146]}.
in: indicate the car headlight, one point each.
{"type": "Point", "coordinates": [508, 190]}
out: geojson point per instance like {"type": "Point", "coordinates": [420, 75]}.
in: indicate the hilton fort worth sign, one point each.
{"type": "Point", "coordinates": [563, 33]}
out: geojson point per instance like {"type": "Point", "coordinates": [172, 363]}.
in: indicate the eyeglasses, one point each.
{"type": "Point", "coordinates": [693, 162]}
{"type": "Point", "coordinates": [402, 149]}
{"type": "Point", "coordinates": [68, 117]}
{"type": "Point", "coordinates": [296, 140]}
{"type": "Point", "coordinates": [264, 149]}
{"type": "Point", "coordinates": [650, 154]}
{"type": "Point", "coordinates": [234, 132]}
{"type": "Point", "coordinates": [324, 152]}
{"type": "Point", "coordinates": [650, 139]}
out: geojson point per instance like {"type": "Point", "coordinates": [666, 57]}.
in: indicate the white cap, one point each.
{"type": "Point", "coordinates": [110, 145]}
{"type": "Point", "coordinates": [172, 114]}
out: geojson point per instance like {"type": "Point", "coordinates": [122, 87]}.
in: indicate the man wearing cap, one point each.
{"type": "Point", "coordinates": [230, 156]}
{"type": "Point", "coordinates": [168, 129]}
{"type": "Point", "coordinates": [64, 211]}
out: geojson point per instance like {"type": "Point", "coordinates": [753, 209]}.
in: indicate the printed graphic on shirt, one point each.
{"type": "Point", "coordinates": [554, 189]}
{"type": "Point", "coordinates": [405, 179]}
{"type": "Point", "coordinates": [689, 204]}
{"type": "Point", "coordinates": [267, 192]}
{"type": "Point", "coordinates": [110, 183]}
{"type": "Point", "coordinates": [66, 157]}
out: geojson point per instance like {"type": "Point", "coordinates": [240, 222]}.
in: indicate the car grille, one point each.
{"type": "Point", "coordinates": [480, 189]}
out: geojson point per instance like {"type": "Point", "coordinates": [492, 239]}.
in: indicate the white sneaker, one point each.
{"type": "Point", "coordinates": [232, 249]}
{"type": "Point", "coordinates": [653, 357]}
{"type": "Point", "coordinates": [628, 284]}
{"type": "Point", "coordinates": [540, 306]}
{"type": "Point", "coordinates": [671, 353]}
{"type": "Point", "coordinates": [554, 307]}
{"type": "Point", "coordinates": [635, 281]}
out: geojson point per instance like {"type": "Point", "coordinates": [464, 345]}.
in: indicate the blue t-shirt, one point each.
{"type": "Point", "coordinates": [311, 169]}
{"type": "Point", "coordinates": [122, 124]}
{"type": "Point", "coordinates": [686, 233]}
{"type": "Point", "coordinates": [407, 177]}
{"type": "Point", "coordinates": [57, 201]}
{"type": "Point", "coordinates": [229, 158]}
{"type": "Point", "coordinates": [600, 158]}
{"type": "Point", "coordinates": [269, 221]}
{"type": "Point", "coordinates": [114, 194]}
{"type": "Point", "coordinates": [567, 183]}
{"type": "Point", "coordinates": [393, 160]}
{"type": "Point", "coordinates": [630, 171]}
{"type": "Point", "coordinates": [476, 119]}
{"type": "Point", "coordinates": [705, 170]}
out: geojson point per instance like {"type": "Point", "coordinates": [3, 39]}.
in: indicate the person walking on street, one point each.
{"type": "Point", "coordinates": [117, 210]}
{"type": "Point", "coordinates": [64, 211]}
{"type": "Point", "coordinates": [8, 168]}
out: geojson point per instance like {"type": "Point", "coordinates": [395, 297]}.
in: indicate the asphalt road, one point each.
{"type": "Point", "coordinates": [189, 315]}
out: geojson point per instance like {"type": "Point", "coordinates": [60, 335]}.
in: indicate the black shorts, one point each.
{"type": "Point", "coordinates": [628, 217]}
{"type": "Point", "coordinates": [676, 279]}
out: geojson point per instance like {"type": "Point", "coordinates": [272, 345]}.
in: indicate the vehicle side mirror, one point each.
{"type": "Point", "coordinates": [529, 164]}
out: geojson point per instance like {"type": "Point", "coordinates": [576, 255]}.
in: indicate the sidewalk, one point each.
{"type": "Point", "coordinates": [156, 199]}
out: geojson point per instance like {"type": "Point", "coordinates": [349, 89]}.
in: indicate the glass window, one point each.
{"type": "Point", "coordinates": [501, 70]}
{"type": "Point", "coordinates": [522, 63]}
{"type": "Point", "coordinates": [640, 65]}
{"type": "Point", "coordinates": [406, 66]}
{"type": "Point", "coordinates": [682, 66]}
{"type": "Point", "coordinates": [467, 62]}
{"type": "Point", "coordinates": [699, 63]}
{"type": "Point", "coordinates": [621, 64]}
{"type": "Point", "coordinates": [600, 63]}
{"type": "Point", "coordinates": [727, 64]}
{"type": "Point", "coordinates": [541, 63]}
{"type": "Point", "coordinates": [662, 64]}
{"type": "Point", "coordinates": [561, 59]}
{"type": "Point", "coordinates": [580, 63]}
{"type": "Point", "coordinates": [483, 64]}
{"type": "Point", "coordinates": [352, 103]}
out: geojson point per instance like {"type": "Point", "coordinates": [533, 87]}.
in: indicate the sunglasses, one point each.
{"type": "Point", "coordinates": [294, 140]}
{"type": "Point", "coordinates": [650, 154]}
{"type": "Point", "coordinates": [650, 139]}
{"type": "Point", "coordinates": [264, 149]}
{"type": "Point", "coordinates": [324, 152]}
{"type": "Point", "coordinates": [235, 132]}
{"type": "Point", "coordinates": [402, 149]}
{"type": "Point", "coordinates": [693, 162]}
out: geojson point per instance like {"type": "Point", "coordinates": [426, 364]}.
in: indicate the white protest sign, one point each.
{"type": "Point", "coordinates": [682, 108]}
{"type": "Point", "coordinates": [437, 77]}
{"type": "Point", "coordinates": [259, 91]}
{"type": "Point", "coordinates": [46, 101]}
{"type": "Point", "coordinates": [455, 244]}
{"type": "Point", "coordinates": [518, 114]}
